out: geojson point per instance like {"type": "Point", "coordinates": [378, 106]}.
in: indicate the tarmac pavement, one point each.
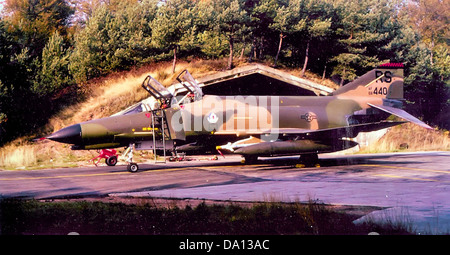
{"type": "Point", "coordinates": [413, 188]}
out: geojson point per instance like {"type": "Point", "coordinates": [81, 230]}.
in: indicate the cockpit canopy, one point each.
{"type": "Point", "coordinates": [161, 97]}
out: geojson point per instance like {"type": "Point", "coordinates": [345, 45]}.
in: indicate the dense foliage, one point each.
{"type": "Point", "coordinates": [50, 48]}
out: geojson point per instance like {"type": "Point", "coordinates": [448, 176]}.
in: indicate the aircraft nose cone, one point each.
{"type": "Point", "coordinates": [71, 135]}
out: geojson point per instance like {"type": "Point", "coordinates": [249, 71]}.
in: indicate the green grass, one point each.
{"type": "Point", "coordinates": [28, 217]}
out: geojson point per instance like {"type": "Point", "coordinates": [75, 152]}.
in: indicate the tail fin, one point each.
{"type": "Point", "coordinates": [385, 81]}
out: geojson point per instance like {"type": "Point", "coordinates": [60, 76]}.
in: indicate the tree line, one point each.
{"type": "Point", "coordinates": [50, 48]}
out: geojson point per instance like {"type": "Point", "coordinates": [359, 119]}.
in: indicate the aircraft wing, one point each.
{"type": "Point", "coordinates": [400, 113]}
{"type": "Point", "coordinates": [321, 134]}
{"type": "Point", "coordinates": [339, 132]}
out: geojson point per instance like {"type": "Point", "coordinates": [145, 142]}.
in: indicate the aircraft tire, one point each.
{"type": "Point", "coordinates": [132, 167]}
{"type": "Point", "coordinates": [250, 159]}
{"type": "Point", "coordinates": [309, 159]}
{"type": "Point", "coordinates": [111, 161]}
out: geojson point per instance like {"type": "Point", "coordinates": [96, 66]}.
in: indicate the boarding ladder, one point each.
{"type": "Point", "coordinates": [160, 126]}
{"type": "Point", "coordinates": [161, 133]}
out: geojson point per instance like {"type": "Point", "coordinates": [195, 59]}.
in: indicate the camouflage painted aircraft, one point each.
{"type": "Point", "coordinates": [185, 119]}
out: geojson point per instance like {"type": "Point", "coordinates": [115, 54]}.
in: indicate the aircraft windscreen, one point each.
{"type": "Point", "coordinates": [136, 109]}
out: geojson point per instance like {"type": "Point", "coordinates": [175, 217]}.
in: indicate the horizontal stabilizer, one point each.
{"type": "Point", "coordinates": [402, 114]}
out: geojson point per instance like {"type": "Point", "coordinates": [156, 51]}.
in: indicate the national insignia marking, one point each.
{"type": "Point", "coordinates": [309, 116]}
{"type": "Point", "coordinates": [212, 118]}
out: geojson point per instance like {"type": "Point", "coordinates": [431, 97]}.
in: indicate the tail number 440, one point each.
{"type": "Point", "coordinates": [378, 91]}
{"type": "Point", "coordinates": [381, 77]}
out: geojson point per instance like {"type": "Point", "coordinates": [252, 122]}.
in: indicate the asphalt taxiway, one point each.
{"type": "Point", "coordinates": [412, 187]}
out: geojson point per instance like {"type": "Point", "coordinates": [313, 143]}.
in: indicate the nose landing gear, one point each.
{"type": "Point", "coordinates": [131, 167]}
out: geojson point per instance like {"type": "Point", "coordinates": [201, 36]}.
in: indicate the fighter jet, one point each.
{"type": "Point", "coordinates": [186, 120]}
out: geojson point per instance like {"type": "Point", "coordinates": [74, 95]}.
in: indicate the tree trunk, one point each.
{"type": "Point", "coordinates": [324, 71]}
{"type": "Point", "coordinates": [342, 78]}
{"type": "Point", "coordinates": [252, 50]}
{"type": "Point", "coordinates": [230, 59]}
{"type": "Point", "coordinates": [279, 49]}
{"type": "Point", "coordinates": [306, 60]}
{"type": "Point", "coordinates": [243, 48]}
{"type": "Point", "coordinates": [174, 59]}
{"type": "Point", "coordinates": [431, 51]}
{"type": "Point", "coordinates": [261, 46]}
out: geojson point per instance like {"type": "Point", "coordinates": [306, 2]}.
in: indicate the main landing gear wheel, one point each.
{"type": "Point", "coordinates": [248, 160]}
{"type": "Point", "coordinates": [111, 161]}
{"type": "Point", "coordinates": [309, 160]}
{"type": "Point", "coordinates": [132, 167]}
